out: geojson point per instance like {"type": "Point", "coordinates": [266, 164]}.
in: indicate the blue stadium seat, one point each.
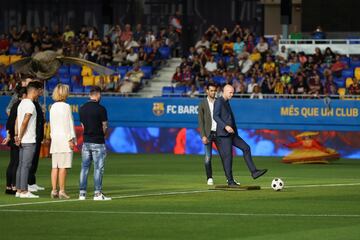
{"type": "Point", "coordinates": [51, 86]}
{"type": "Point", "coordinates": [167, 91]}
{"type": "Point", "coordinates": [179, 91]}
{"type": "Point", "coordinates": [147, 71]}
{"type": "Point", "coordinates": [340, 82]}
{"type": "Point", "coordinates": [148, 50]}
{"type": "Point", "coordinates": [87, 89]}
{"type": "Point", "coordinates": [354, 63]}
{"type": "Point", "coordinates": [14, 51]}
{"type": "Point", "coordinates": [220, 80]}
{"type": "Point", "coordinates": [10, 70]}
{"type": "Point", "coordinates": [77, 88]}
{"type": "Point", "coordinates": [122, 70]}
{"type": "Point", "coordinates": [75, 70]}
{"type": "Point", "coordinates": [345, 60]}
{"type": "Point", "coordinates": [164, 52]}
{"type": "Point", "coordinates": [284, 70]}
{"type": "Point", "coordinates": [53, 80]}
{"type": "Point", "coordinates": [346, 73]}
{"type": "Point", "coordinates": [63, 70]}
{"type": "Point", "coordinates": [65, 80]}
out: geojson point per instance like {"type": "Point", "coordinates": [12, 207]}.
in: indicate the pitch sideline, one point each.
{"type": "Point", "coordinates": [172, 193]}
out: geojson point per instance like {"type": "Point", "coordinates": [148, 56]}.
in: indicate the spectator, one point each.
{"type": "Point", "coordinates": [338, 66]}
{"type": "Point", "coordinates": [4, 44]}
{"type": "Point", "coordinates": [315, 86]}
{"type": "Point", "coordinates": [211, 66]}
{"type": "Point", "coordinates": [239, 46]}
{"type": "Point", "coordinates": [132, 80]}
{"type": "Point", "coordinates": [251, 85]}
{"type": "Point", "coordinates": [131, 57]}
{"type": "Point", "coordinates": [269, 66]}
{"type": "Point", "coordinates": [202, 45]}
{"type": "Point", "coordinates": [111, 86]}
{"type": "Point", "coordinates": [228, 47]}
{"type": "Point", "coordinates": [130, 43]}
{"type": "Point", "coordinates": [262, 46]}
{"type": "Point", "coordinates": [354, 88]}
{"type": "Point", "coordinates": [255, 56]}
{"type": "Point", "coordinates": [126, 35]}
{"type": "Point", "coordinates": [177, 78]}
{"type": "Point", "coordinates": [300, 86]}
{"type": "Point", "coordinates": [139, 35]}
{"type": "Point", "coordinates": [256, 92]}
{"type": "Point", "coordinates": [201, 79]}
{"type": "Point", "coordinates": [68, 33]}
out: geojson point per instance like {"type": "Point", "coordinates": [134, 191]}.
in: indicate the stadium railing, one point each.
{"type": "Point", "coordinates": [342, 46]}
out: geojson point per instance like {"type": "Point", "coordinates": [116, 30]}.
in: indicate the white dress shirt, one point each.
{"type": "Point", "coordinates": [61, 127]}
{"type": "Point", "coordinates": [211, 106]}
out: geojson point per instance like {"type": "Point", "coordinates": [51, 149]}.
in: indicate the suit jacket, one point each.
{"type": "Point", "coordinates": [223, 116]}
{"type": "Point", "coordinates": [204, 118]}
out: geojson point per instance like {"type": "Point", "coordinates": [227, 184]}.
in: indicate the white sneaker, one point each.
{"type": "Point", "coordinates": [32, 188]}
{"type": "Point", "coordinates": [28, 195]}
{"type": "Point", "coordinates": [82, 196]}
{"type": "Point", "coordinates": [101, 197]}
{"type": "Point", "coordinates": [210, 182]}
{"type": "Point", "coordinates": [35, 188]}
{"type": "Point", "coordinates": [17, 194]}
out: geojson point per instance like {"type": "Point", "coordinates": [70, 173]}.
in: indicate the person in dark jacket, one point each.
{"type": "Point", "coordinates": [227, 136]}
{"type": "Point", "coordinates": [10, 141]}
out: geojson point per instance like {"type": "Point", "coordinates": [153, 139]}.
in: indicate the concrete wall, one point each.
{"type": "Point", "coordinates": [272, 24]}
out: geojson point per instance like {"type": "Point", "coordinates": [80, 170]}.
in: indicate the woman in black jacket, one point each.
{"type": "Point", "coordinates": [9, 140]}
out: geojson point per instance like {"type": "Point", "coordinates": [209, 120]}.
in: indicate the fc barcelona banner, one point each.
{"type": "Point", "coordinates": [277, 114]}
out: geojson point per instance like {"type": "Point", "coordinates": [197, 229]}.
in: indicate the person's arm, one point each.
{"type": "Point", "coordinates": [23, 128]}
{"type": "Point", "coordinates": [14, 98]}
{"type": "Point", "coordinates": [201, 123]}
{"type": "Point", "coordinates": [72, 140]}
{"type": "Point", "coordinates": [217, 112]}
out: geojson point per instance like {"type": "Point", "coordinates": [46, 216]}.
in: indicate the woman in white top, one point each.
{"type": "Point", "coordinates": [63, 139]}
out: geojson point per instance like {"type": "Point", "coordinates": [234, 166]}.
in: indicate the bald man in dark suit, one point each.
{"type": "Point", "coordinates": [227, 136]}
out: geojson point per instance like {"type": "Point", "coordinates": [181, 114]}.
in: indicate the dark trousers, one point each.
{"type": "Point", "coordinates": [208, 154]}
{"type": "Point", "coordinates": [13, 165]}
{"type": "Point", "coordinates": [34, 164]}
{"type": "Point", "coordinates": [225, 150]}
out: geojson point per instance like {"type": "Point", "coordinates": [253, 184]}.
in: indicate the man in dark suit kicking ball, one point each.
{"type": "Point", "coordinates": [227, 136]}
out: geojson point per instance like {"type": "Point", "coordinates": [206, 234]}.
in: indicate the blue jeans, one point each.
{"type": "Point", "coordinates": [97, 153]}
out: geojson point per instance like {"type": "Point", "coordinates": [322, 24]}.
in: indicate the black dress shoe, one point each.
{"type": "Point", "coordinates": [258, 173]}
{"type": "Point", "coordinates": [233, 183]}
{"type": "Point", "coordinates": [10, 192]}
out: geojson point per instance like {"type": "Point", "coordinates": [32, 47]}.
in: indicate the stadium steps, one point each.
{"type": "Point", "coordinates": [162, 78]}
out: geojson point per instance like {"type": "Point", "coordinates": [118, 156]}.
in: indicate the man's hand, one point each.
{"type": "Point", "coordinates": [229, 129]}
{"type": "Point", "coordinates": [6, 140]}
{"type": "Point", "coordinates": [204, 140]}
{"type": "Point", "coordinates": [71, 144]}
{"type": "Point", "coordinates": [17, 141]}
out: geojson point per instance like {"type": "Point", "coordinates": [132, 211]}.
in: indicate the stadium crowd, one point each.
{"type": "Point", "coordinates": [255, 66]}
{"type": "Point", "coordinates": [128, 47]}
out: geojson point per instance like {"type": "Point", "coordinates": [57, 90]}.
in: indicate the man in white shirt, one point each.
{"type": "Point", "coordinates": [25, 138]}
{"type": "Point", "coordinates": [211, 65]}
{"type": "Point", "coordinates": [207, 127]}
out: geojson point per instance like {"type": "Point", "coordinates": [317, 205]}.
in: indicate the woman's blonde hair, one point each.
{"type": "Point", "coordinates": [61, 92]}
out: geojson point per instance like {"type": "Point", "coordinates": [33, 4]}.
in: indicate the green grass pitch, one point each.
{"type": "Point", "coordinates": [166, 197]}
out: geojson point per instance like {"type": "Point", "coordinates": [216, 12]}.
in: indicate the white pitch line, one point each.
{"type": "Point", "coordinates": [116, 197]}
{"type": "Point", "coordinates": [187, 213]}
{"type": "Point", "coordinates": [173, 193]}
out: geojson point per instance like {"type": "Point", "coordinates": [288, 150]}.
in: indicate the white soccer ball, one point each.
{"type": "Point", "coordinates": [277, 184]}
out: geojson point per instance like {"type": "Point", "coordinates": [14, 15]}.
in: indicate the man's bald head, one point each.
{"type": "Point", "coordinates": [228, 92]}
